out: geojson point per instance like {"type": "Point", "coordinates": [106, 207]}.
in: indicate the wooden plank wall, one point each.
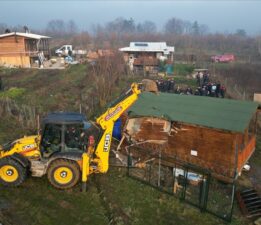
{"type": "Point", "coordinates": [222, 152]}
{"type": "Point", "coordinates": [18, 60]}
{"type": "Point", "coordinates": [12, 52]}
{"type": "Point", "coordinates": [245, 153]}
{"type": "Point", "coordinates": [10, 46]}
{"type": "Point", "coordinates": [203, 147]}
{"type": "Point", "coordinates": [208, 148]}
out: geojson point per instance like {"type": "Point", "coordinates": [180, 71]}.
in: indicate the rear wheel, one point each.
{"type": "Point", "coordinates": [12, 173]}
{"type": "Point", "coordinates": [63, 174]}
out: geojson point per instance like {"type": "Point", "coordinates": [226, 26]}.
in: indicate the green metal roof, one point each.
{"type": "Point", "coordinates": [225, 114]}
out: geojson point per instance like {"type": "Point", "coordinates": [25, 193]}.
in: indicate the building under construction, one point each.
{"type": "Point", "coordinates": [23, 49]}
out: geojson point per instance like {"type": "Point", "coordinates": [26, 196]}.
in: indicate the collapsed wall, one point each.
{"type": "Point", "coordinates": [217, 135]}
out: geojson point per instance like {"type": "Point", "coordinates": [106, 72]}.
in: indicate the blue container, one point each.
{"type": "Point", "coordinates": [169, 69]}
{"type": "Point", "coordinates": [117, 129]}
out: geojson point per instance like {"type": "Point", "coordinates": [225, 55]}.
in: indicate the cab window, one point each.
{"type": "Point", "coordinates": [51, 140]}
{"type": "Point", "coordinates": [74, 138]}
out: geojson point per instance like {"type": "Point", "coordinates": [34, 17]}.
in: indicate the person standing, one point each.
{"type": "Point", "coordinates": [213, 90]}
{"type": "Point", "coordinates": [218, 90]}
{"type": "Point", "coordinates": [205, 78]}
{"type": "Point", "coordinates": [161, 84]}
{"type": "Point", "coordinates": [172, 85]}
{"type": "Point", "coordinates": [204, 91]}
{"type": "Point", "coordinates": [222, 91]}
{"type": "Point", "coordinates": [198, 79]}
{"type": "Point", "coordinates": [168, 85]}
{"type": "Point", "coordinates": [165, 85]}
{"type": "Point", "coordinates": [209, 88]}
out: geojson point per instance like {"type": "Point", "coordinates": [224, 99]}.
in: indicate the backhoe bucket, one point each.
{"type": "Point", "coordinates": [149, 85]}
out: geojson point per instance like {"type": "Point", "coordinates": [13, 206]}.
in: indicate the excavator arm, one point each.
{"type": "Point", "coordinates": [107, 120]}
{"type": "Point", "coordinates": [99, 163]}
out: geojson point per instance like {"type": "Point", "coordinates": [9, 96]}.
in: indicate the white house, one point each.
{"type": "Point", "coordinates": [147, 53]}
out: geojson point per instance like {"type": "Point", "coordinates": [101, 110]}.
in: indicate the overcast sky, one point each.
{"type": "Point", "coordinates": [222, 16]}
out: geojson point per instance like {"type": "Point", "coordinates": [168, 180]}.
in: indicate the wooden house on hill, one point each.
{"type": "Point", "coordinates": [23, 49]}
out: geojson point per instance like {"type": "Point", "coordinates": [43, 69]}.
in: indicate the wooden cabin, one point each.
{"type": "Point", "coordinates": [217, 135]}
{"type": "Point", "coordinates": [22, 49]}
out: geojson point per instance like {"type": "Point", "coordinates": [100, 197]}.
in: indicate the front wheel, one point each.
{"type": "Point", "coordinates": [63, 174]}
{"type": "Point", "coordinates": [12, 173]}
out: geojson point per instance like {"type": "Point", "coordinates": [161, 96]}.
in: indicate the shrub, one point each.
{"type": "Point", "coordinates": [13, 93]}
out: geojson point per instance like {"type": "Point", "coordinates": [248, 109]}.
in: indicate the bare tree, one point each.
{"type": "Point", "coordinates": [146, 27]}
{"type": "Point", "coordinates": [259, 44]}
{"type": "Point", "coordinates": [72, 27]}
{"type": "Point", "coordinates": [203, 29]}
{"type": "Point", "coordinates": [241, 33]}
{"type": "Point", "coordinates": [82, 40]}
{"type": "Point", "coordinates": [105, 75]}
{"type": "Point", "coordinates": [195, 28]}
{"type": "Point", "coordinates": [174, 26]}
{"type": "Point", "coordinates": [3, 27]}
{"type": "Point", "coordinates": [121, 25]}
{"type": "Point", "coordinates": [56, 28]}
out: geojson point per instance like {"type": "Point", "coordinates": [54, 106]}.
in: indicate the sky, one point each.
{"type": "Point", "coordinates": [219, 15]}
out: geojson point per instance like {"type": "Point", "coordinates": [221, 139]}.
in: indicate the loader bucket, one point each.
{"type": "Point", "coordinates": [149, 85]}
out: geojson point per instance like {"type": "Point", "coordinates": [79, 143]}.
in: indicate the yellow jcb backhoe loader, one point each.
{"type": "Point", "coordinates": [69, 148]}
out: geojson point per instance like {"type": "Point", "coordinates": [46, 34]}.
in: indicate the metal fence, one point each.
{"type": "Point", "coordinates": [187, 182]}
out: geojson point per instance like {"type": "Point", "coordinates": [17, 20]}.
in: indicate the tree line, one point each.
{"type": "Point", "coordinates": [59, 28]}
{"type": "Point", "coordinates": [188, 37]}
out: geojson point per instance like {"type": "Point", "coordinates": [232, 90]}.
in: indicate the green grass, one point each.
{"type": "Point", "coordinates": [112, 196]}
{"type": "Point", "coordinates": [13, 93]}
{"type": "Point", "coordinates": [9, 130]}
{"type": "Point", "coordinates": [146, 205]}
{"type": "Point", "coordinates": [36, 202]}
{"type": "Point", "coordinates": [183, 69]}
{"type": "Point", "coordinates": [181, 80]}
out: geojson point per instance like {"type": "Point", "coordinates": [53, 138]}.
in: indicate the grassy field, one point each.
{"type": "Point", "coordinates": [113, 198]}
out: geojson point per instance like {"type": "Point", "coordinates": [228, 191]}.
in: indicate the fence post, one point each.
{"type": "Point", "coordinates": [232, 202]}
{"type": "Point", "coordinates": [159, 171]}
{"type": "Point", "coordinates": [38, 124]}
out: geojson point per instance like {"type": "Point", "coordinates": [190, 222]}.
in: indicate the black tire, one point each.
{"type": "Point", "coordinates": [63, 173]}
{"type": "Point", "coordinates": [12, 173]}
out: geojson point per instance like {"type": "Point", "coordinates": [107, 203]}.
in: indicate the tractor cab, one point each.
{"type": "Point", "coordinates": [65, 133]}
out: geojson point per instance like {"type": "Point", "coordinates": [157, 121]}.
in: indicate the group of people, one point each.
{"type": "Point", "coordinates": [181, 91]}
{"type": "Point", "coordinates": [203, 79]}
{"type": "Point", "coordinates": [211, 89]}
{"type": "Point", "coordinates": [166, 85]}
{"type": "Point", "coordinates": [207, 88]}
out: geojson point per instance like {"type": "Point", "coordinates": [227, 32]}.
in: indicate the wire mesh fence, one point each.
{"type": "Point", "coordinates": [187, 182]}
